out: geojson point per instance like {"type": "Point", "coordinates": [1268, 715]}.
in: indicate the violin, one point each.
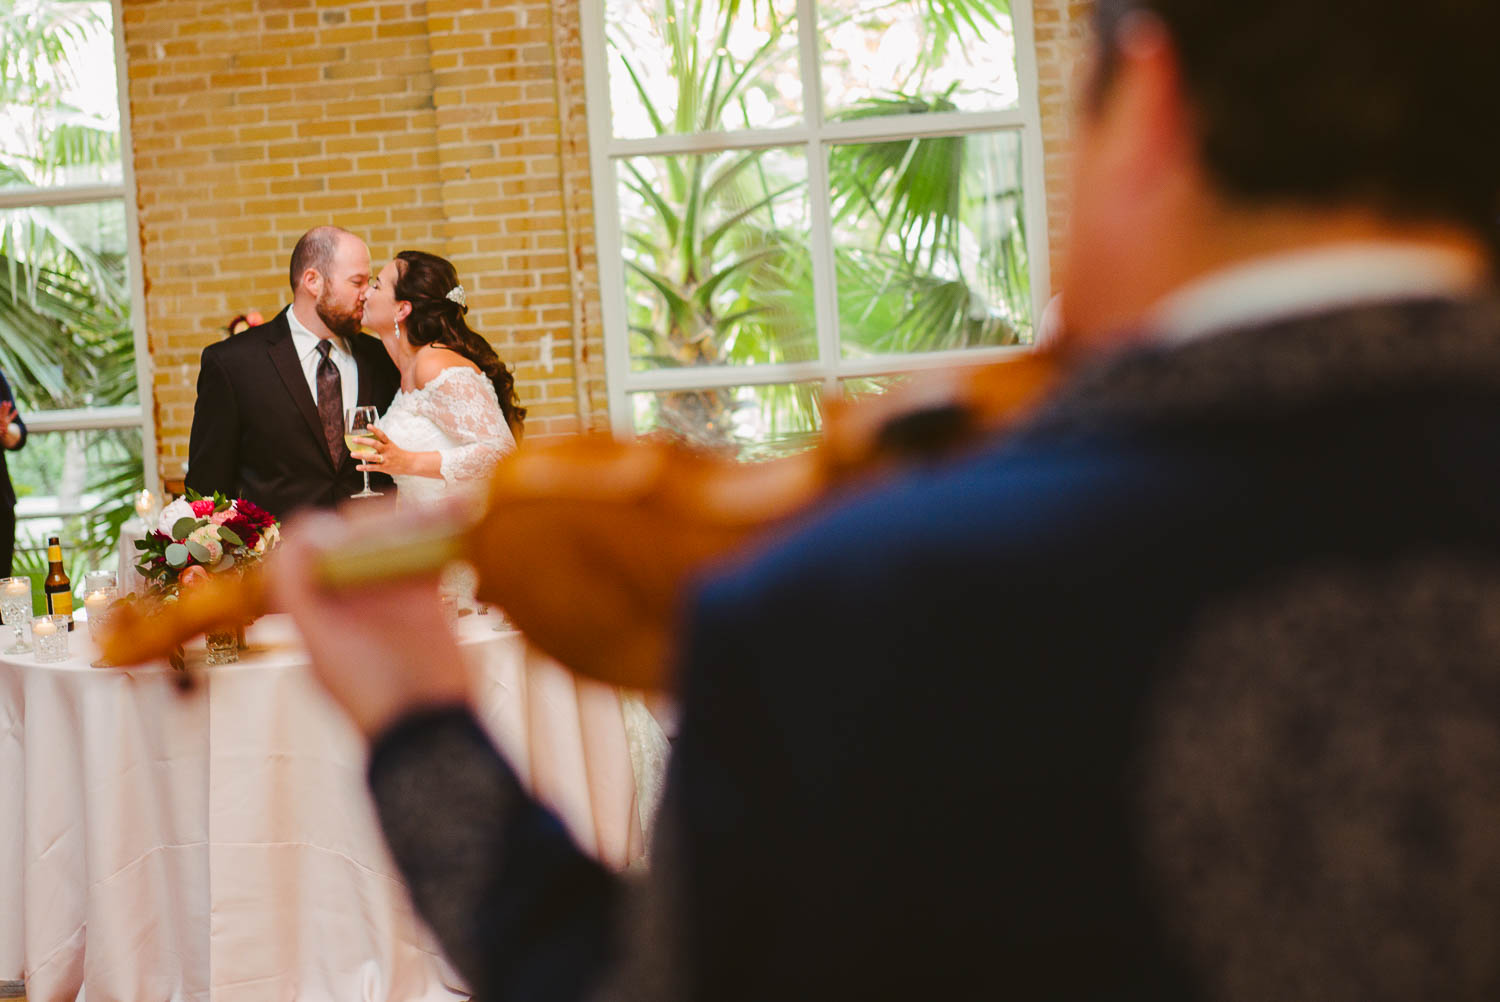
{"type": "Point", "coordinates": [590, 544]}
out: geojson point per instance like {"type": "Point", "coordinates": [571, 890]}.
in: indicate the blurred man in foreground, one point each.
{"type": "Point", "coordinates": [1185, 690]}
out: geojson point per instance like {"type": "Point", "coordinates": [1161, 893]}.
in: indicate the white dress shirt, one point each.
{"type": "Point", "coordinates": [306, 343]}
{"type": "Point", "coordinates": [1282, 286]}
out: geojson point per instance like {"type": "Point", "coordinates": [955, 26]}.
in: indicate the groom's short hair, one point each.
{"type": "Point", "coordinates": [316, 250]}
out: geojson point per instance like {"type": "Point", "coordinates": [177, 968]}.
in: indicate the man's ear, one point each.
{"type": "Point", "coordinates": [312, 278]}
{"type": "Point", "coordinates": [1149, 107]}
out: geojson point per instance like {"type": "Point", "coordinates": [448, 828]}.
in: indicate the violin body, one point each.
{"type": "Point", "coordinates": [590, 544]}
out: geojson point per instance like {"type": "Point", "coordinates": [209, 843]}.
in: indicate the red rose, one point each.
{"type": "Point", "coordinates": [203, 507]}
{"type": "Point", "coordinates": [254, 514]}
{"type": "Point", "coordinates": [245, 529]}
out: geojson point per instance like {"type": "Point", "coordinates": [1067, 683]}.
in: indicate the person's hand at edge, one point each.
{"type": "Point", "coordinates": [10, 433]}
{"type": "Point", "coordinates": [381, 652]}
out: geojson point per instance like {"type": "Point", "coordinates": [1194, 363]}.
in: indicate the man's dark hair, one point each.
{"type": "Point", "coordinates": [1382, 103]}
{"type": "Point", "coordinates": [315, 250]}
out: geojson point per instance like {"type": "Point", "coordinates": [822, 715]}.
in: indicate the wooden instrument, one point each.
{"type": "Point", "coordinates": [589, 544]}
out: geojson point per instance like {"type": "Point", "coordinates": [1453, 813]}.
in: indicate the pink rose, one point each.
{"type": "Point", "coordinates": [220, 517]}
{"type": "Point", "coordinates": [203, 507]}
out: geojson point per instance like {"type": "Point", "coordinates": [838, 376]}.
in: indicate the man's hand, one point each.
{"type": "Point", "coordinates": [10, 432]}
{"type": "Point", "coordinates": [381, 652]}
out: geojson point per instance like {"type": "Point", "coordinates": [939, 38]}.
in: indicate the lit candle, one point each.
{"type": "Point", "coordinates": [44, 628]}
{"type": "Point", "coordinates": [96, 603]}
{"type": "Point", "coordinates": [17, 587]}
{"type": "Point", "coordinates": [145, 504]}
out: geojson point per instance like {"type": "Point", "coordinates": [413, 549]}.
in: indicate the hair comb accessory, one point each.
{"type": "Point", "coordinates": [456, 295]}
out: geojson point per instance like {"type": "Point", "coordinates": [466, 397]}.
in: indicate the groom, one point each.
{"type": "Point", "coordinates": [269, 421]}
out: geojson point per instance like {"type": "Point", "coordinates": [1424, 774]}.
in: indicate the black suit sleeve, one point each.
{"type": "Point", "coordinates": [519, 909]}
{"type": "Point", "coordinates": [213, 445]}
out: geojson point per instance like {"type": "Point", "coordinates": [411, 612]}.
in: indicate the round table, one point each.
{"type": "Point", "coordinates": [221, 844]}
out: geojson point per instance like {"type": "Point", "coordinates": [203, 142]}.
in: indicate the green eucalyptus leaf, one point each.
{"type": "Point", "coordinates": [199, 551]}
{"type": "Point", "coordinates": [230, 536]}
{"type": "Point", "coordinates": [226, 563]}
{"type": "Point", "coordinates": [183, 527]}
{"type": "Point", "coordinates": [177, 555]}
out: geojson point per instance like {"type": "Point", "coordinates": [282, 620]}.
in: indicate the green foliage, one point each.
{"type": "Point", "coordinates": [929, 246]}
{"type": "Point", "coordinates": [65, 332]}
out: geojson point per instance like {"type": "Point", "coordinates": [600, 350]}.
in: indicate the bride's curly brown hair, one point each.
{"type": "Point", "coordinates": [424, 280]}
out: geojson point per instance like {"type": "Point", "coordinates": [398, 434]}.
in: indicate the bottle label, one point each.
{"type": "Point", "coordinates": [60, 603]}
{"type": "Point", "coordinates": [54, 554]}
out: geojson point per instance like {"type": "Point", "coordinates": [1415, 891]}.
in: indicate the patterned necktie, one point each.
{"type": "Point", "coordinates": [331, 404]}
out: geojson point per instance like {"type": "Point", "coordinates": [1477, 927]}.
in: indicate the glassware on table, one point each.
{"type": "Point", "coordinates": [50, 635]}
{"type": "Point", "coordinates": [359, 437]}
{"type": "Point", "coordinates": [147, 508]}
{"type": "Point", "coordinates": [223, 646]}
{"type": "Point", "coordinates": [100, 581]}
{"type": "Point", "coordinates": [16, 611]}
{"type": "Point", "coordinates": [97, 602]}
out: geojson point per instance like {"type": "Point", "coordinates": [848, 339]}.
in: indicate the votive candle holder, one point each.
{"type": "Point", "coordinates": [97, 603]}
{"type": "Point", "coordinates": [16, 611]}
{"type": "Point", "coordinates": [50, 635]}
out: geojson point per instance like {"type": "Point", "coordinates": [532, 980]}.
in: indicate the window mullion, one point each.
{"type": "Point", "coordinates": [824, 270]}
{"type": "Point", "coordinates": [70, 194]}
{"type": "Point", "coordinates": [608, 230]}
{"type": "Point", "coordinates": [145, 388]}
{"type": "Point", "coordinates": [1033, 161]}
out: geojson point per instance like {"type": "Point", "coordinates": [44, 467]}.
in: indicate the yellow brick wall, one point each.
{"type": "Point", "coordinates": [253, 121]}
{"type": "Point", "coordinates": [1061, 31]}
{"type": "Point", "coordinates": [456, 126]}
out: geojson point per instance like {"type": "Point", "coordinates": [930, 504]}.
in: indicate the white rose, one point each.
{"type": "Point", "coordinates": [178, 509]}
{"type": "Point", "coordinates": [267, 540]}
{"type": "Point", "coordinates": [208, 537]}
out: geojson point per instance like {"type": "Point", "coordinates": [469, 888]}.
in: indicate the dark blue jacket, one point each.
{"type": "Point", "coordinates": [913, 754]}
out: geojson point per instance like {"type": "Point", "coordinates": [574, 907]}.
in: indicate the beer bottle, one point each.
{"type": "Point", "coordinates": [57, 587]}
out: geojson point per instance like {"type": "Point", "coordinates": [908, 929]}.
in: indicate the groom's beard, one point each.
{"type": "Point", "coordinates": [343, 323]}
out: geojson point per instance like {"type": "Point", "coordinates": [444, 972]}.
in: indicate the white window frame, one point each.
{"type": "Point", "coordinates": [138, 415]}
{"type": "Point", "coordinates": [815, 135]}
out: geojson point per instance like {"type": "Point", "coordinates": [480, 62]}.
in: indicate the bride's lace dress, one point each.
{"type": "Point", "coordinates": [458, 416]}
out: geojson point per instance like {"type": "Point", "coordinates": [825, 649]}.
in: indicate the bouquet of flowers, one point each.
{"type": "Point", "coordinates": [197, 536]}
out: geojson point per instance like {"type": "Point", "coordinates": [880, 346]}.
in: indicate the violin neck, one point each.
{"type": "Point", "coordinates": [376, 559]}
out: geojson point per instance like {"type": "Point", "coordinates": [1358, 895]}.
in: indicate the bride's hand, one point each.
{"type": "Point", "coordinates": [391, 458]}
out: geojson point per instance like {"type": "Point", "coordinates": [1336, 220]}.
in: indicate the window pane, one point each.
{"type": "Point", "coordinates": [930, 244]}
{"type": "Point", "coordinates": [891, 58]}
{"type": "Point", "coordinates": [746, 422]}
{"type": "Point", "coordinates": [75, 485]}
{"type": "Point", "coordinates": [717, 266]}
{"type": "Point", "coordinates": [65, 333]}
{"type": "Point", "coordinates": [678, 69]}
{"type": "Point", "coordinates": [59, 112]}
{"type": "Point", "coordinates": [857, 388]}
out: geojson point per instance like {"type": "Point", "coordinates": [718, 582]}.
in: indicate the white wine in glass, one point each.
{"type": "Point", "coordinates": [360, 438]}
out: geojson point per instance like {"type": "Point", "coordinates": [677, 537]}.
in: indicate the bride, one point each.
{"type": "Point", "coordinates": [454, 418]}
{"type": "Point", "coordinates": [456, 414]}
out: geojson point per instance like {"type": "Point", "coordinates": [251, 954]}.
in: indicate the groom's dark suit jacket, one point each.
{"type": "Point", "coordinates": [256, 432]}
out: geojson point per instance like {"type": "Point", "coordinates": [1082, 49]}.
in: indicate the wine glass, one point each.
{"type": "Point", "coordinates": [360, 438]}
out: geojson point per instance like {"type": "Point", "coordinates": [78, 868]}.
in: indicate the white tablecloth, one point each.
{"type": "Point", "coordinates": [221, 845]}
